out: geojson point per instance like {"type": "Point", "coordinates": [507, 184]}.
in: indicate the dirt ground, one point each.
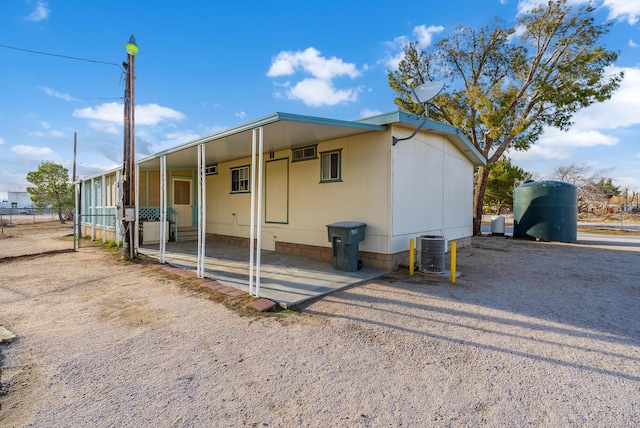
{"type": "Point", "coordinates": [532, 334]}
{"type": "Point", "coordinates": [23, 239]}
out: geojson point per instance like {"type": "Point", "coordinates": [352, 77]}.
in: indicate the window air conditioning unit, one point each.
{"type": "Point", "coordinates": [211, 169]}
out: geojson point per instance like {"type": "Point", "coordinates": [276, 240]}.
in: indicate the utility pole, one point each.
{"type": "Point", "coordinates": [128, 174]}
{"type": "Point", "coordinates": [75, 145]}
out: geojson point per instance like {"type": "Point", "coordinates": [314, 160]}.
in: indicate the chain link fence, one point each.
{"type": "Point", "coordinates": [29, 231]}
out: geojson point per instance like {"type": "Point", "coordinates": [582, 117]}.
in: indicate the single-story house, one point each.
{"type": "Point", "coordinates": [17, 200]}
{"type": "Point", "coordinates": [298, 174]}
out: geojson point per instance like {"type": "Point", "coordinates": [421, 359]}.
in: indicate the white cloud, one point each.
{"type": "Point", "coordinates": [108, 112]}
{"type": "Point", "coordinates": [624, 10]}
{"type": "Point", "coordinates": [319, 92]}
{"type": "Point", "coordinates": [147, 114]}
{"type": "Point", "coordinates": [32, 151]}
{"type": "Point", "coordinates": [396, 51]}
{"type": "Point", "coordinates": [519, 31]}
{"type": "Point", "coordinates": [167, 141]}
{"type": "Point", "coordinates": [369, 112]}
{"type": "Point", "coordinates": [108, 127]}
{"type": "Point", "coordinates": [180, 137]}
{"type": "Point", "coordinates": [1, 140]}
{"type": "Point", "coordinates": [39, 13]}
{"type": "Point", "coordinates": [151, 114]}
{"type": "Point", "coordinates": [56, 94]}
{"type": "Point", "coordinates": [424, 34]}
{"type": "Point", "coordinates": [319, 89]}
{"type": "Point", "coordinates": [559, 145]}
{"type": "Point", "coordinates": [633, 44]}
{"type": "Point", "coordinates": [287, 63]}
{"type": "Point", "coordinates": [525, 6]}
{"type": "Point", "coordinates": [48, 131]}
{"type": "Point", "coordinates": [593, 124]}
{"type": "Point", "coordinates": [617, 112]}
{"type": "Point", "coordinates": [595, 135]}
{"type": "Point", "coordinates": [631, 184]}
{"type": "Point", "coordinates": [241, 114]}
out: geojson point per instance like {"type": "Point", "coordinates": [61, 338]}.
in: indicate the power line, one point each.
{"type": "Point", "coordinates": [61, 56]}
{"type": "Point", "coordinates": [104, 98]}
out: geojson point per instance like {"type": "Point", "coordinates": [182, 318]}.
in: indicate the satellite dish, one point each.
{"type": "Point", "coordinates": [423, 93]}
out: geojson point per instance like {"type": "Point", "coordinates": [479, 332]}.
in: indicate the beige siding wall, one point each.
{"type": "Point", "coordinates": [458, 196]}
{"type": "Point", "coordinates": [428, 192]}
{"type": "Point", "coordinates": [362, 195]}
{"type": "Point", "coordinates": [432, 190]}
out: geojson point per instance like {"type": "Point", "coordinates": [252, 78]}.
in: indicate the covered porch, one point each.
{"type": "Point", "coordinates": [220, 185]}
{"type": "Point", "coordinates": [285, 278]}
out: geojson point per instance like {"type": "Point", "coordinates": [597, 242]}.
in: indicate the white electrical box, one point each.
{"type": "Point", "coordinates": [129, 214]}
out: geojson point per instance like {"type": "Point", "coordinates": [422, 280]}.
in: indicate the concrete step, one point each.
{"type": "Point", "coordinates": [187, 233]}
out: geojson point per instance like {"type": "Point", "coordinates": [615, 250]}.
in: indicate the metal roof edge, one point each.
{"type": "Point", "coordinates": [266, 120]}
{"type": "Point", "coordinates": [330, 122]}
{"type": "Point", "coordinates": [403, 117]}
{"type": "Point", "coordinates": [100, 174]}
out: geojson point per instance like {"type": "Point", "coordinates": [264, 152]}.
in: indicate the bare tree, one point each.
{"type": "Point", "coordinates": [594, 188]}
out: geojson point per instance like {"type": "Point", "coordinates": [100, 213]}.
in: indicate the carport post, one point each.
{"type": "Point", "coordinates": [163, 206]}
{"type": "Point", "coordinates": [93, 208]}
{"type": "Point", "coordinates": [256, 192]}
{"type": "Point", "coordinates": [76, 218]}
{"type": "Point", "coordinates": [103, 210]}
{"type": "Point", "coordinates": [259, 219]}
{"type": "Point", "coordinates": [252, 233]}
{"type": "Point", "coordinates": [202, 211]}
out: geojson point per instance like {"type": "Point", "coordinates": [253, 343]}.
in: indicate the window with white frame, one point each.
{"type": "Point", "coordinates": [331, 165]}
{"type": "Point", "coordinates": [240, 179]}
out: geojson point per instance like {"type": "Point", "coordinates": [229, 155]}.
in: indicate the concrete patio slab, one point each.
{"type": "Point", "coordinates": [284, 278]}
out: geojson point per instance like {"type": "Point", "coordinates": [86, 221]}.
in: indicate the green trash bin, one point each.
{"type": "Point", "coordinates": [345, 237]}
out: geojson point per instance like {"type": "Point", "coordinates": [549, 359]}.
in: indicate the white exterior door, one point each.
{"type": "Point", "coordinates": [182, 200]}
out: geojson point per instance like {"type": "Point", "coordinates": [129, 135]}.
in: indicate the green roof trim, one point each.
{"type": "Point", "coordinates": [329, 122]}
{"type": "Point", "coordinates": [454, 134]}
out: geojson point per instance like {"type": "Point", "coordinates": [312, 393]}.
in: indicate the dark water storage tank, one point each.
{"type": "Point", "coordinates": [546, 210]}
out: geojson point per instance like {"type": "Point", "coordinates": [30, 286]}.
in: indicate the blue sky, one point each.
{"type": "Point", "coordinates": [204, 66]}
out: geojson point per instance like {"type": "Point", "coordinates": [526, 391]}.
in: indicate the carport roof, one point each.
{"type": "Point", "coordinates": [280, 131]}
{"type": "Point", "coordinates": [283, 131]}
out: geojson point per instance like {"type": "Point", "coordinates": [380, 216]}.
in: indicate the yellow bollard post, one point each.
{"type": "Point", "coordinates": [411, 256]}
{"type": "Point", "coordinates": [453, 262]}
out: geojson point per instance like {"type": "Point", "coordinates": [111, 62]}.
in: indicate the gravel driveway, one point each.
{"type": "Point", "coordinates": [532, 334]}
